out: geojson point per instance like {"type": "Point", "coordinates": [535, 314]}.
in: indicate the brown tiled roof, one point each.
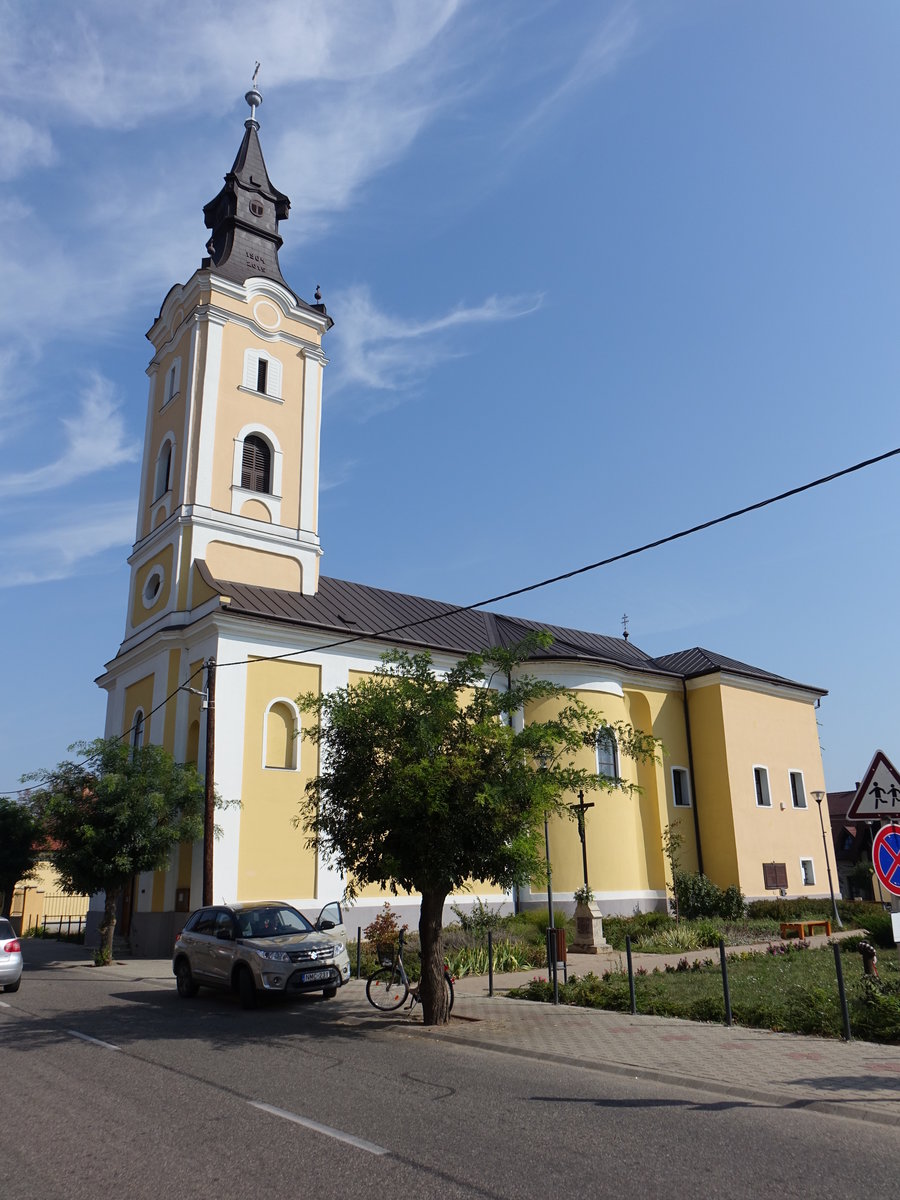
{"type": "Point", "coordinates": [354, 610]}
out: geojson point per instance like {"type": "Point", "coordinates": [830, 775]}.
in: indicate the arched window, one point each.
{"type": "Point", "coordinates": [281, 736]}
{"type": "Point", "coordinates": [137, 730]}
{"type": "Point", "coordinates": [607, 753]}
{"type": "Point", "coordinates": [256, 465]}
{"type": "Point", "coordinates": [163, 479]}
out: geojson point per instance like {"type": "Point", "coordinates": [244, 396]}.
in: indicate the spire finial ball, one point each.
{"type": "Point", "coordinates": [253, 98]}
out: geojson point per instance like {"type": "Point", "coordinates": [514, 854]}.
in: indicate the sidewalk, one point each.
{"type": "Point", "coordinates": [857, 1080]}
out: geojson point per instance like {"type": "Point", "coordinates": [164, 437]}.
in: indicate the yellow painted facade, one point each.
{"type": "Point", "coordinates": [272, 859]}
{"type": "Point", "coordinates": [205, 526]}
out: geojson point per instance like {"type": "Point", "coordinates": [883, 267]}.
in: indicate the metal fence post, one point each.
{"type": "Point", "coordinates": [723, 959]}
{"type": "Point", "coordinates": [490, 962]}
{"type": "Point", "coordinates": [358, 948]}
{"type": "Point", "coordinates": [630, 973]}
{"type": "Point", "coordinates": [845, 1012]}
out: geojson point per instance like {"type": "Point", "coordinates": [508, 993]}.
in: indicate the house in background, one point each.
{"type": "Point", "coordinates": [852, 839]}
{"type": "Point", "coordinates": [225, 567]}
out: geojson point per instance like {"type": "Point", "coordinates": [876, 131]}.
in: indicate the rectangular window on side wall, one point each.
{"type": "Point", "coordinates": [761, 786]}
{"type": "Point", "coordinates": [681, 788]}
{"type": "Point", "coordinates": [775, 875]}
{"type": "Point", "coordinates": [798, 791]}
{"type": "Point", "coordinates": [808, 871]}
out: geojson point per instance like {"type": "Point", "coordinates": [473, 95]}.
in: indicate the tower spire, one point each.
{"type": "Point", "coordinates": [244, 216]}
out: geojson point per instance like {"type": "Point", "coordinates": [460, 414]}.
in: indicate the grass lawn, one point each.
{"type": "Point", "coordinates": [794, 991]}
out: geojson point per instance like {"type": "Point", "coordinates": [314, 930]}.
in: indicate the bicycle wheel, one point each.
{"type": "Point", "coordinates": [449, 982]}
{"type": "Point", "coordinates": [386, 989]}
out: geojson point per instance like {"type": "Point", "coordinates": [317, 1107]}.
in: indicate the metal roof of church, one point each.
{"type": "Point", "coordinates": [355, 610]}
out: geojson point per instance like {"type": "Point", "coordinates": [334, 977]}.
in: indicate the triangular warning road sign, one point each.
{"type": "Point", "coordinates": [879, 793]}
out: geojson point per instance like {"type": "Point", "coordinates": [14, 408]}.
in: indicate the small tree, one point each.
{"type": "Point", "coordinates": [426, 783]}
{"type": "Point", "coordinates": [20, 838]}
{"type": "Point", "coordinates": [116, 813]}
{"type": "Point", "coordinates": [672, 841]}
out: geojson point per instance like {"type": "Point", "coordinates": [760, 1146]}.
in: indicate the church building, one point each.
{"type": "Point", "coordinates": [225, 567]}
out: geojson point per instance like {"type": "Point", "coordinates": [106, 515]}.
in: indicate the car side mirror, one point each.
{"type": "Point", "coordinates": [325, 924]}
{"type": "Point", "coordinates": [225, 935]}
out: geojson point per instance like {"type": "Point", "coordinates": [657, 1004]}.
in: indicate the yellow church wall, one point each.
{"type": "Point", "coordinates": [272, 856]}
{"type": "Point", "coordinates": [140, 613]}
{"type": "Point", "coordinates": [200, 589]}
{"type": "Point", "coordinates": [617, 848]}
{"type": "Point", "coordinates": [669, 726]}
{"type": "Point", "coordinates": [167, 420]}
{"type": "Point", "coordinates": [238, 407]}
{"type": "Point", "coordinates": [712, 784]}
{"type": "Point", "coordinates": [253, 566]}
{"type": "Point", "coordinates": [200, 402]}
{"type": "Point", "coordinates": [138, 695]}
{"type": "Point", "coordinates": [240, 308]}
{"type": "Point", "coordinates": [780, 833]}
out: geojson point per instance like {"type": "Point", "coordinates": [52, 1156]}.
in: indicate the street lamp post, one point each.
{"type": "Point", "coordinates": [819, 797]}
{"type": "Point", "coordinates": [543, 760]}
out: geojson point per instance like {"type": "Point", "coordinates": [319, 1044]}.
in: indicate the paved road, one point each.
{"type": "Point", "coordinates": [333, 1099]}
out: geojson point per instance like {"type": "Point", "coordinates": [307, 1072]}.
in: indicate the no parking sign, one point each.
{"type": "Point", "coordinates": [886, 857]}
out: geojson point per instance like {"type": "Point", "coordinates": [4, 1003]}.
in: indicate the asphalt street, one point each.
{"type": "Point", "coordinates": [111, 1085]}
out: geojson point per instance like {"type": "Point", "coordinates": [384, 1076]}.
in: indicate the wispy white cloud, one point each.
{"type": "Point", "coordinates": [64, 548]}
{"type": "Point", "coordinates": [95, 440]}
{"type": "Point", "coordinates": [601, 55]}
{"type": "Point", "coordinates": [23, 146]}
{"type": "Point", "coordinates": [382, 352]}
{"type": "Point", "coordinates": [337, 475]}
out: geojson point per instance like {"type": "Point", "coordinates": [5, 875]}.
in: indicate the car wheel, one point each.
{"type": "Point", "coordinates": [246, 989]}
{"type": "Point", "coordinates": [184, 980]}
{"type": "Point", "coordinates": [329, 993]}
{"type": "Point", "coordinates": [12, 987]}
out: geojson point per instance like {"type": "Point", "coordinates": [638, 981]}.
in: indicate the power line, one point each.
{"type": "Point", "coordinates": [603, 562]}
{"type": "Point", "coordinates": [533, 587]}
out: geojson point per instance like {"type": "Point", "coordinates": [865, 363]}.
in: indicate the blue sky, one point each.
{"type": "Point", "coordinates": [598, 272]}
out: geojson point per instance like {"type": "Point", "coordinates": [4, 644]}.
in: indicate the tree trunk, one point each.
{"type": "Point", "coordinates": [432, 991]}
{"type": "Point", "coordinates": [108, 924]}
{"type": "Point", "coordinates": [7, 887]}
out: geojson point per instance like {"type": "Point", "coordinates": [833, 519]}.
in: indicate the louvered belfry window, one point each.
{"type": "Point", "coordinates": [256, 466]}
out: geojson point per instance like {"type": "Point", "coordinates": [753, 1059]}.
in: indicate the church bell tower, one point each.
{"type": "Point", "coordinates": [230, 475]}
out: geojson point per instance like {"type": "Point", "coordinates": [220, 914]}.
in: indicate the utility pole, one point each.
{"type": "Point", "coordinates": [209, 810]}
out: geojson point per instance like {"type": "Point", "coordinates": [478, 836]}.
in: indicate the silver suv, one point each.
{"type": "Point", "coordinates": [264, 946]}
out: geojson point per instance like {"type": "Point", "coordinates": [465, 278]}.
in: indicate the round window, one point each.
{"type": "Point", "coordinates": [152, 587]}
{"type": "Point", "coordinates": [256, 208]}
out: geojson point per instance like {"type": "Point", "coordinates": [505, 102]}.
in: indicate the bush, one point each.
{"type": "Point", "coordinates": [697, 896]}
{"type": "Point", "coordinates": [479, 920]}
{"type": "Point", "coordinates": [385, 929]}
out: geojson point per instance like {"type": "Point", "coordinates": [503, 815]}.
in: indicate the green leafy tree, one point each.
{"type": "Point", "coordinates": [428, 781]}
{"type": "Point", "coordinates": [113, 814]}
{"type": "Point", "coordinates": [20, 840]}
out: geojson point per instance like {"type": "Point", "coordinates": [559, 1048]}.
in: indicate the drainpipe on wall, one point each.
{"type": "Point", "coordinates": [690, 748]}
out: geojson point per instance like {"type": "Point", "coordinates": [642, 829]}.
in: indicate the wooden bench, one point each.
{"type": "Point", "coordinates": [805, 928]}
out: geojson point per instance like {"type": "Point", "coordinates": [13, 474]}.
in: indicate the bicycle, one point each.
{"type": "Point", "coordinates": [388, 986]}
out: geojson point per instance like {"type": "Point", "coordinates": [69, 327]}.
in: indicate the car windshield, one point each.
{"type": "Point", "coordinates": [274, 921]}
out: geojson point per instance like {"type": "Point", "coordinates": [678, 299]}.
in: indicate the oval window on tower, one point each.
{"type": "Point", "coordinates": [256, 208]}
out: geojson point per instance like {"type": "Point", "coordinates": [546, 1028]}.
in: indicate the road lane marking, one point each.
{"type": "Point", "coordinates": [360, 1143]}
{"type": "Point", "coordinates": [3, 1004]}
{"type": "Point", "coordinates": [95, 1041]}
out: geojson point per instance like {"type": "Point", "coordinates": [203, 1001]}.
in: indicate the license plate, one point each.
{"type": "Point", "coordinates": [312, 976]}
